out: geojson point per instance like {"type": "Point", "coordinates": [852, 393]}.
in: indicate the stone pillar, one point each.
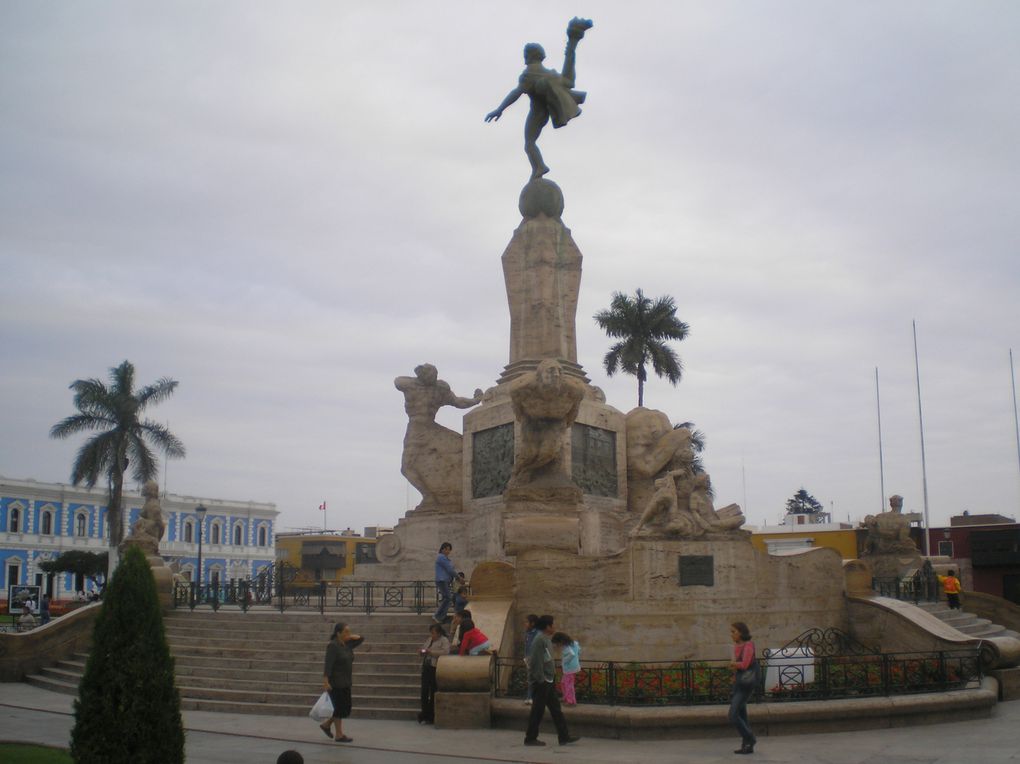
{"type": "Point", "coordinates": [542, 271]}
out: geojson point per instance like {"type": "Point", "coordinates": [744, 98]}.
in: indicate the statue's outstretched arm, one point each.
{"type": "Point", "coordinates": [511, 98]}
{"type": "Point", "coordinates": [466, 403]}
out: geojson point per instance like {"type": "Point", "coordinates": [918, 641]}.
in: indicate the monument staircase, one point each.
{"type": "Point", "coordinates": [265, 662]}
{"type": "Point", "coordinates": [968, 623]}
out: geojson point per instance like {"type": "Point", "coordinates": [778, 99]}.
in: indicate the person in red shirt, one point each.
{"type": "Point", "coordinates": [473, 640]}
{"type": "Point", "coordinates": [745, 679]}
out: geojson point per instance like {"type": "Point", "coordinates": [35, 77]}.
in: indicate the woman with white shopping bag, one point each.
{"type": "Point", "coordinates": [336, 679]}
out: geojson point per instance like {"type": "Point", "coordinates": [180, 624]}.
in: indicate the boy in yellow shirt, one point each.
{"type": "Point", "coordinates": [951, 586]}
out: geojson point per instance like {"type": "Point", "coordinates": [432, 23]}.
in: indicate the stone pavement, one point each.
{"type": "Point", "coordinates": [29, 714]}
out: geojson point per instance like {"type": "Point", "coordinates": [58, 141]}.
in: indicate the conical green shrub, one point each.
{"type": "Point", "coordinates": [128, 710]}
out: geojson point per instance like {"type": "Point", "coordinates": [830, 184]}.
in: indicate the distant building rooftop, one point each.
{"type": "Point", "coordinates": [968, 519]}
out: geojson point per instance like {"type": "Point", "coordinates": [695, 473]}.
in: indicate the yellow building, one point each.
{"type": "Point", "coordinates": [325, 556]}
{"type": "Point", "coordinates": [804, 532]}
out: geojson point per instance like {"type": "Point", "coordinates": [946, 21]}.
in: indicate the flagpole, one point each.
{"type": "Point", "coordinates": [920, 421]}
{"type": "Point", "coordinates": [881, 461]}
{"type": "Point", "coordinates": [1016, 421]}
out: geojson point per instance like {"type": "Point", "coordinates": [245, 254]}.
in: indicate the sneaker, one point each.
{"type": "Point", "coordinates": [528, 702]}
{"type": "Point", "coordinates": [569, 740]}
{"type": "Point", "coordinates": [533, 742]}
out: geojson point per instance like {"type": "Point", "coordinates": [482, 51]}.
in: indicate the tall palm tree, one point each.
{"type": "Point", "coordinates": [644, 327]}
{"type": "Point", "coordinates": [123, 439]}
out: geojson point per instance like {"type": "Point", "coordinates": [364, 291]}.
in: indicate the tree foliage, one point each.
{"type": "Point", "coordinates": [644, 327]}
{"type": "Point", "coordinates": [128, 709]}
{"type": "Point", "coordinates": [91, 565]}
{"type": "Point", "coordinates": [123, 438]}
{"type": "Point", "coordinates": [803, 503]}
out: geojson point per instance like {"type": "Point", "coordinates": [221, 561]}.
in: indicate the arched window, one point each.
{"type": "Point", "coordinates": [263, 536]}
{"type": "Point", "coordinates": [189, 532]}
{"type": "Point", "coordinates": [215, 536]}
{"type": "Point", "coordinates": [14, 520]}
{"type": "Point", "coordinates": [80, 521]}
{"type": "Point", "coordinates": [237, 535]}
{"type": "Point", "coordinates": [46, 526]}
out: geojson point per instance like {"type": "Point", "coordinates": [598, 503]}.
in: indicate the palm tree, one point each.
{"type": "Point", "coordinates": [644, 326]}
{"type": "Point", "coordinates": [122, 440]}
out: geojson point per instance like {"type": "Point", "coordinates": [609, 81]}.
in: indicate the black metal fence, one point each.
{"type": "Point", "coordinates": [280, 591]}
{"type": "Point", "coordinates": [818, 664]}
{"type": "Point", "coordinates": [689, 683]}
{"type": "Point", "coordinates": [922, 586]}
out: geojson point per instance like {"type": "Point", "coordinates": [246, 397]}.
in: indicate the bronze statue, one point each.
{"type": "Point", "coordinates": [551, 93]}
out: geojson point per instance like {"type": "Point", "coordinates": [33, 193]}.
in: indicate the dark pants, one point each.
{"type": "Point", "coordinates": [428, 693]}
{"type": "Point", "coordinates": [953, 600]}
{"type": "Point", "coordinates": [445, 600]}
{"type": "Point", "coordinates": [544, 694]}
{"type": "Point", "coordinates": [738, 712]}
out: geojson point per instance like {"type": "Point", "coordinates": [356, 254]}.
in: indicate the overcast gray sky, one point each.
{"type": "Point", "coordinates": [286, 205]}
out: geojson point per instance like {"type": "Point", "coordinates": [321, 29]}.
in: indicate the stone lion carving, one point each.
{"type": "Point", "coordinates": [433, 454]}
{"type": "Point", "coordinates": [148, 529]}
{"type": "Point", "coordinates": [545, 403]}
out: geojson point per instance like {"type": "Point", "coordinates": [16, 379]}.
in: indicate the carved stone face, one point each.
{"type": "Point", "coordinates": [427, 373]}
{"type": "Point", "coordinates": [549, 373]}
{"type": "Point", "coordinates": [645, 427]}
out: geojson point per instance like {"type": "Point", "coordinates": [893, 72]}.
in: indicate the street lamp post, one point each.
{"type": "Point", "coordinates": [200, 511]}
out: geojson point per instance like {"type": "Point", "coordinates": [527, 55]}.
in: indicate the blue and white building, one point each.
{"type": "Point", "coordinates": [39, 521]}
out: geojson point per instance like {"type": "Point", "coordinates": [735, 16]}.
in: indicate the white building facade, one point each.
{"type": "Point", "coordinates": [40, 521]}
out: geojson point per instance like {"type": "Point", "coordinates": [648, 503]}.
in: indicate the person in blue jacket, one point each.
{"type": "Point", "coordinates": [445, 573]}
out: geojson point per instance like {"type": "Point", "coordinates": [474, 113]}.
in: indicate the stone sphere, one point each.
{"type": "Point", "coordinates": [541, 197]}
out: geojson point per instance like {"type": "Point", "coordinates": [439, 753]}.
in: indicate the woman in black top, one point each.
{"type": "Point", "coordinates": [336, 679]}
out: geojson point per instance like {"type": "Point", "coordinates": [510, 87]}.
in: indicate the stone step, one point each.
{"type": "Point", "coordinates": [317, 632]}
{"type": "Point", "coordinates": [270, 664]}
{"type": "Point", "coordinates": [368, 684]}
{"type": "Point", "coordinates": [52, 684]}
{"type": "Point", "coordinates": [395, 698]}
{"type": "Point", "coordinates": [284, 657]}
{"type": "Point", "coordinates": [310, 621]}
{"type": "Point", "coordinates": [227, 641]}
{"type": "Point", "coordinates": [358, 712]}
{"type": "Point", "coordinates": [967, 623]}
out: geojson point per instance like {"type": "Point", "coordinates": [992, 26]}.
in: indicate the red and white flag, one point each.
{"type": "Point", "coordinates": [323, 506]}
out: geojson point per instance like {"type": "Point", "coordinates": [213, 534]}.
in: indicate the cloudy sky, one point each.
{"type": "Point", "coordinates": [286, 205]}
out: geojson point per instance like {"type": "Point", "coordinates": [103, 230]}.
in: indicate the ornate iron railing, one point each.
{"type": "Point", "coordinates": [841, 668]}
{"type": "Point", "coordinates": [278, 587]}
{"type": "Point", "coordinates": [921, 586]}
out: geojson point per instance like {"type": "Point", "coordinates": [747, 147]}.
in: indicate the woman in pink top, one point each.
{"type": "Point", "coordinates": [745, 680]}
{"type": "Point", "coordinates": [473, 640]}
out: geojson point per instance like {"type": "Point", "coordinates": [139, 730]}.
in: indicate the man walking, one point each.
{"type": "Point", "coordinates": [445, 573]}
{"type": "Point", "coordinates": [541, 675]}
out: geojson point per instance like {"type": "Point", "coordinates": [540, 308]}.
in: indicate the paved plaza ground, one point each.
{"type": "Point", "coordinates": [28, 714]}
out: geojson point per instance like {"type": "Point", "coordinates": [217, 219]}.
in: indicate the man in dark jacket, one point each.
{"type": "Point", "coordinates": [541, 678]}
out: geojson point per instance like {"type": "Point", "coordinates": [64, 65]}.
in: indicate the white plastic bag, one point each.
{"type": "Point", "coordinates": [323, 708]}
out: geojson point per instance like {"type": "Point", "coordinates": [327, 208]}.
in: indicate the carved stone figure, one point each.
{"type": "Point", "coordinates": [148, 529]}
{"type": "Point", "coordinates": [682, 507]}
{"type": "Point", "coordinates": [889, 532]}
{"type": "Point", "coordinates": [551, 93]}
{"type": "Point", "coordinates": [545, 403]}
{"type": "Point", "coordinates": [433, 454]}
{"type": "Point", "coordinates": [889, 548]}
{"type": "Point", "coordinates": [653, 449]}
